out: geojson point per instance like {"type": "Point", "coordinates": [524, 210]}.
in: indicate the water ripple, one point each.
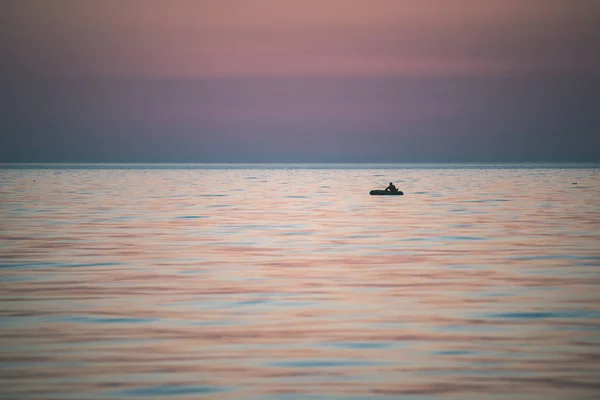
{"type": "Point", "coordinates": [142, 282]}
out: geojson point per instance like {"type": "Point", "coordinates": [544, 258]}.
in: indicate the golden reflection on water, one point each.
{"type": "Point", "coordinates": [285, 283]}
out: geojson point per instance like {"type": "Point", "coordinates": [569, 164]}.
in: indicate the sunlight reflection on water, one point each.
{"type": "Point", "coordinates": [294, 283]}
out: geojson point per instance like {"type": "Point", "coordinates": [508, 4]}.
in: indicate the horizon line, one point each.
{"type": "Point", "coordinates": [303, 162]}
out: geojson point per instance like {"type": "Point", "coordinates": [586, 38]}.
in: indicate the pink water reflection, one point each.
{"type": "Point", "coordinates": [250, 283]}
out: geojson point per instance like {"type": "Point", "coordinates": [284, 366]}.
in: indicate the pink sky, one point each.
{"type": "Point", "coordinates": [301, 38]}
{"type": "Point", "coordinates": [329, 80]}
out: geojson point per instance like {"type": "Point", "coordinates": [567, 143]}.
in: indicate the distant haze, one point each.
{"type": "Point", "coordinates": [316, 80]}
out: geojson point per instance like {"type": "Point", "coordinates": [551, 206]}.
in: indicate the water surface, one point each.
{"type": "Point", "coordinates": [291, 282]}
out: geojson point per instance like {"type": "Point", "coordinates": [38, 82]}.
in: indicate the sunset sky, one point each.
{"type": "Point", "coordinates": [311, 80]}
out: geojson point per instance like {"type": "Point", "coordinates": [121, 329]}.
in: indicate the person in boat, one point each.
{"type": "Point", "coordinates": [391, 188]}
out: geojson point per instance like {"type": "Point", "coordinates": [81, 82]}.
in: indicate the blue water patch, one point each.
{"type": "Point", "coordinates": [250, 302]}
{"type": "Point", "coordinates": [250, 227]}
{"type": "Point", "coordinates": [11, 321]}
{"type": "Point", "coordinates": [288, 303]}
{"type": "Point", "coordinates": [324, 363]}
{"type": "Point", "coordinates": [452, 352]}
{"type": "Point", "coordinates": [482, 372]}
{"type": "Point", "coordinates": [193, 216]}
{"type": "Point", "coordinates": [589, 264]}
{"type": "Point", "coordinates": [361, 236]}
{"type": "Point", "coordinates": [467, 267]}
{"type": "Point", "coordinates": [495, 294]}
{"type": "Point", "coordinates": [208, 302]}
{"type": "Point", "coordinates": [461, 238]}
{"type": "Point", "coordinates": [105, 320]}
{"type": "Point", "coordinates": [307, 396]}
{"type": "Point", "coordinates": [170, 390]}
{"type": "Point", "coordinates": [523, 315]}
{"type": "Point", "coordinates": [6, 365]}
{"type": "Point", "coordinates": [55, 265]}
{"type": "Point", "coordinates": [192, 272]}
{"type": "Point", "coordinates": [554, 257]}
{"type": "Point", "coordinates": [582, 314]}
{"type": "Point", "coordinates": [102, 264]}
{"type": "Point", "coordinates": [317, 378]}
{"type": "Point", "coordinates": [119, 218]}
{"type": "Point", "coordinates": [359, 345]}
{"type": "Point", "coordinates": [47, 364]}
{"type": "Point", "coordinates": [30, 265]}
{"type": "Point", "coordinates": [479, 328]}
{"type": "Point", "coordinates": [39, 319]}
{"type": "Point", "coordinates": [581, 328]}
{"type": "Point", "coordinates": [215, 323]}
{"type": "Point", "coordinates": [18, 278]}
{"type": "Point", "coordinates": [213, 195]}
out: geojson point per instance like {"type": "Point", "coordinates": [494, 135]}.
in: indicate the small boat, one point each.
{"type": "Point", "coordinates": [385, 193]}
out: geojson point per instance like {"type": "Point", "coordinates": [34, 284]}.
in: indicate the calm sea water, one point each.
{"type": "Point", "coordinates": [291, 282]}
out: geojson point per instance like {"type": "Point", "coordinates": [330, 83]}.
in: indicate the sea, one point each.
{"type": "Point", "coordinates": [290, 281]}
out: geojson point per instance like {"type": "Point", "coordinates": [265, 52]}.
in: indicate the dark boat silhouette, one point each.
{"type": "Point", "coordinates": [385, 193]}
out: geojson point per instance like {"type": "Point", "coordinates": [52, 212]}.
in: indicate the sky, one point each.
{"type": "Point", "coordinates": [299, 81]}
